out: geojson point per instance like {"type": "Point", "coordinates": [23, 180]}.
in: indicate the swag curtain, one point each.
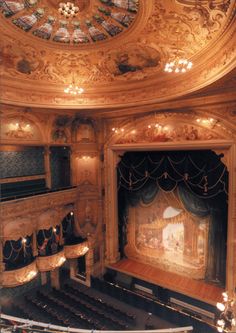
{"type": "Point", "coordinates": [201, 181]}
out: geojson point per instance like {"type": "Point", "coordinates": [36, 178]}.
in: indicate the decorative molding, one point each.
{"type": "Point", "coordinates": [20, 179]}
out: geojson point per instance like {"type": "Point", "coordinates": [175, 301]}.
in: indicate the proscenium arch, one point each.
{"type": "Point", "coordinates": [112, 157]}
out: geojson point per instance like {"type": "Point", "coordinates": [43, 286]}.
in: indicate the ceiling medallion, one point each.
{"type": "Point", "coordinates": [68, 9]}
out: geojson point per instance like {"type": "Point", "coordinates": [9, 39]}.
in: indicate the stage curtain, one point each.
{"type": "Point", "coordinates": [192, 203]}
{"type": "Point", "coordinates": [201, 180]}
{"type": "Point", "coordinates": [217, 210]}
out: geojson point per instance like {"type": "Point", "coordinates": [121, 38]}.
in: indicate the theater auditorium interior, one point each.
{"type": "Point", "coordinates": [117, 166]}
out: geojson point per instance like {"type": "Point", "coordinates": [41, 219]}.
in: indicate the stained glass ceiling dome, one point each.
{"type": "Point", "coordinates": [76, 22]}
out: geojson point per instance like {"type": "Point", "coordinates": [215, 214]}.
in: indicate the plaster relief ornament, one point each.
{"type": "Point", "coordinates": [79, 36]}
{"type": "Point", "coordinates": [221, 5]}
{"type": "Point", "coordinates": [10, 8]}
{"type": "Point", "coordinates": [26, 22]}
{"type": "Point", "coordinates": [62, 35]}
{"type": "Point", "coordinates": [45, 30]}
{"type": "Point", "coordinates": [59, 132]}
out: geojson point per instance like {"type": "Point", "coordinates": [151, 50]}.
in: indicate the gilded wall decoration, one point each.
{"type": "Point", "coordinates": [15, 128]}
{"type": "Point", "coordinates": [87, 216]}
{"type": "Point", "coordinates": [165, 133]}
{"type": "Point", "coordinates": [60, 131]}
{"type": "Point", "coordinates": [186, 25]}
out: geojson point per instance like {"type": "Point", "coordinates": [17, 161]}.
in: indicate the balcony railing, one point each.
{"type": "Point", "coordinates": [48, 328]}
{"type": "Point", "coordinates": [34, 193]}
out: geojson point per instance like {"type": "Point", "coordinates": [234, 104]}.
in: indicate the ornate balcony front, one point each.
{"type": "Point", "coordinates": [49, 263]}
{"type": "Point", "coordinates": [19, 276]}
{"type": "Point", "coordinates": [76, 250]}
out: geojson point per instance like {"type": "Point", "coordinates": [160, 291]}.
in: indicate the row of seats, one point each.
{"type": "Point", "coordinates": [147, 304]}
{"type": "Point", "coordinates": [75, 300]}
{"type": "Point", "coordinates": [60, 309]}
{"type": "Point", "coordinates": [98, 302]}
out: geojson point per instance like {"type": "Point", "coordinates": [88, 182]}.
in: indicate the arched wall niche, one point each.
{"type": "Point", "coordinates": [220, 139]}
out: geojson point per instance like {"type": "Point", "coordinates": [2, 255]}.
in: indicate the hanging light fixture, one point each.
{"type": "Point", "coordinates": [72, 89]}
{"type": "Point", "coordinates": [68, 9]}
{"type": "Point", "coordinates": [227, 319]}
{"type": "Point", "coordinates": [178, 65]}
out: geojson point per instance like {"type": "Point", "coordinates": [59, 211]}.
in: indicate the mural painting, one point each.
{"type": "Point", "coordinates": [135, 59]}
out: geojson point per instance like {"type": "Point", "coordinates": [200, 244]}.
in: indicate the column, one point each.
{"type": "Point", "coordinates": [112, 246]}
{"type": "Point", "coordinates": [73, 268]}
{"type": "Point", "coordinates": [73, 167]}
{"type": "Point", "coordinates": [55, 279]}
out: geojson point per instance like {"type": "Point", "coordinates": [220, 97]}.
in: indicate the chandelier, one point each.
{"type": "Point", "coordinates": [73, 90]}
{"type": "Point", "coordinates": [68, 9]}
{"type": "Point", "coordinates": [227, 320]}
{"type": "Point", "coordinates": [178, 65]}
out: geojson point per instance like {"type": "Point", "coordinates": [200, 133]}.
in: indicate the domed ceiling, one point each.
{"type": "Point", "coordinates": [116, 50]}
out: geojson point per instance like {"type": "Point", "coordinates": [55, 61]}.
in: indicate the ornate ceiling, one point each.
{"type": "Point", "coordinates": [115, 49]}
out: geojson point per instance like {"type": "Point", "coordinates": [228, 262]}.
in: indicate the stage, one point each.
{"type": "Point", "coordinates": [197, 289]}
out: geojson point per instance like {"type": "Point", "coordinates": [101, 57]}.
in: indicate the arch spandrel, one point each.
{"type": "Point", "coordinates": [172, 128]}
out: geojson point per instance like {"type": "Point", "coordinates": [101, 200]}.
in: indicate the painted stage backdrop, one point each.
{"type": "Point", "coordinates": [164, 234]}
{"type": "Point", "coordinates": [172, 209]}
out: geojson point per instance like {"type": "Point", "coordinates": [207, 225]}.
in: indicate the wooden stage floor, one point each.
{"type": "Point", "coordinates": [193, 288]}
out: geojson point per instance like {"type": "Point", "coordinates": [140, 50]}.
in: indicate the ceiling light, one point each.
{"type": "Point", "coordinates": [178, 65]}
{"type": "Point", "coordinates": [68, 9]}
{"type": "Point", "coordinates": [73, 90]}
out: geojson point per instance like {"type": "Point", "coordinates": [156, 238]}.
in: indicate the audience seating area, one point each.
{"type": "Point", "coordinates": [148, 304]}
{"type": "Point", "coordinates": [77, 306]}
{"type": "Point", "coordinates": [70, 306]}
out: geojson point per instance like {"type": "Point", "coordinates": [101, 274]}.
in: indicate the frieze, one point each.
{"type": "Point", "coordinates": [169, 127]}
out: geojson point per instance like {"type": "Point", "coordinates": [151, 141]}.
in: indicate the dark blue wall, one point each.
{"type": "Point", "coordinates": [22, 163]}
